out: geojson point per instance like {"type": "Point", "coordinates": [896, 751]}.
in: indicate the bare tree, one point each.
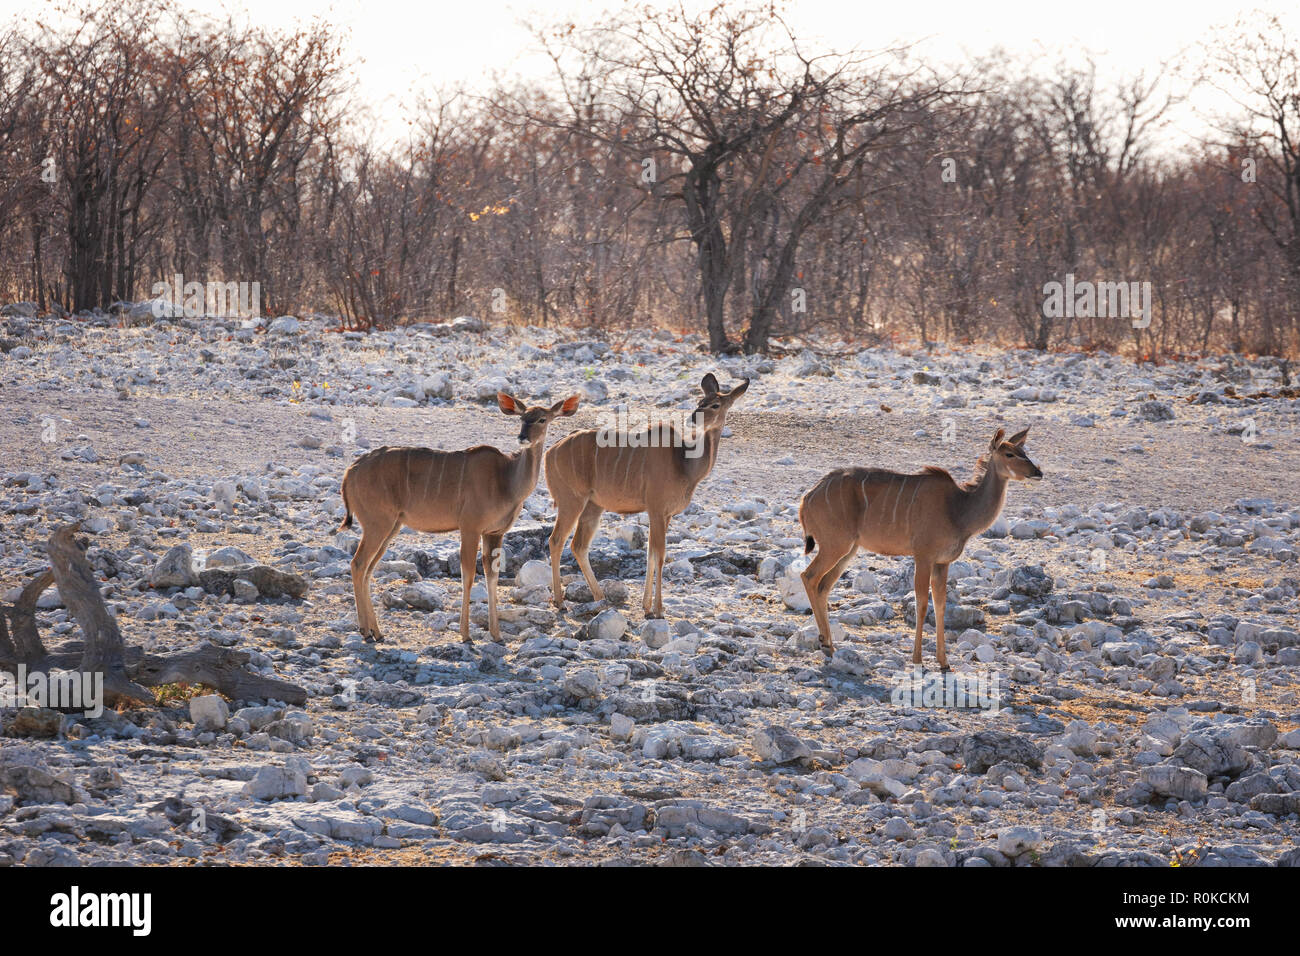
{"type": "Point", "coordinates": [1257, 64]}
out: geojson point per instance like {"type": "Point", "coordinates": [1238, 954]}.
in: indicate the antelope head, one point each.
{"type": "Point", "coordinates": [532, 428]}
{"type": "Point", "coordinates": [1008, 460]}
{"type": "Point", "coordinates": [712, 410]}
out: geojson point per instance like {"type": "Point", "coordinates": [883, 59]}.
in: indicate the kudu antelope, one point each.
{"type": "Point", "coordinates": [588, 473]}
{"type": "Point", "coordinates": [928, 516]}
{"type": "Point", "coordinates": [478, 491]}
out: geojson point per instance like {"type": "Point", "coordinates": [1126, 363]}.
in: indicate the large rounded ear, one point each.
{"type": "Point", "coordinates": [507, 404]}
{"type": "Point", "coordinates": [566, 407]}
{"type": "Point", "coordinates": [738, 391]}
{"type": "Point", "coordinates": [710, 385]}
{"type": "Point", "coordinates": [1018, 439]}
{"type": "Point", "coordinates": [997, 439]}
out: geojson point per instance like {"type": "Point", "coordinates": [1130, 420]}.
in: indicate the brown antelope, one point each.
{"type": "Point", "coordinates": [928, 516]}
{"type": "Point", "coordinates": [478, 491]}
{"type": "Point", "coordinates": [590, 472]}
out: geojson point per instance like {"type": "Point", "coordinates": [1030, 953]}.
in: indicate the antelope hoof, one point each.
{"type": "Point", "coordinates": [373, 637]}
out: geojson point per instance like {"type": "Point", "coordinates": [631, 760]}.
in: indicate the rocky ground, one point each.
{"type": "Point", "coordinates": [1136, 610]}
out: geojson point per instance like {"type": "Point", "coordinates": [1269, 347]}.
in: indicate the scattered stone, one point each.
{"type": "Point", "coordinates": [34, 722]}
{"type": "Point", "coordinates": [984, 749]}
{"type": "Point", "coordinates": [226, 557]}
{"type": "Point", "coordinates": [656, 633]}
{"type": "Point", "coordinates": [1154, 411]}
{"type": "Point", "coordinates": [1213, 756]}
{"type": "Point", "coordinates": [33, 785]}
{"type": "Point", "coordinates": [175, 569]}
{"type": "Point", "coordinates": [268, 582]}
{"type": "Point", "coordinates": [778, 745]}
{"type": "Point", "coordinates": [209, 712]}
{"type": "Point", "coordinates": [1030, 580]}
{"type": "Point", "coordinates": [608, 625]}
{"type": "Point", "coordinates": [275, 783]}
{"type": "Point", "coordinates": [534, 574]}
{"type": "Point", "coordinates": [1014, 841]}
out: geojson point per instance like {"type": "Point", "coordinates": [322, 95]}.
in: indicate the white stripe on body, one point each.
{"type": "Point", "coordinates": [428, 477]}
{"type": "Point", "coordinates": [913, 501]}
{"type": "Point", "coordinates": [893, 519]}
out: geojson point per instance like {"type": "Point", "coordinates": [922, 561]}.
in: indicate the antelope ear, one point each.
{"type": "Point", "coordinates": [997, 439]}
{"type": "Point", "coordinates": [1018, 439]}
{"type": "Point", "coordinates": [710, 385]}
{"type": "Point", "coordinates": [566, 407]}
{"type": "Point", "coordinates": [738, 391]}
{"type": "Point", "coordinates": [507, 404]}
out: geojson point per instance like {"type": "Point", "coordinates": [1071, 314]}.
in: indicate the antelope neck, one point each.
{"type": "Point", "coordinates": [984, 502]}
{"type": "Point", "coordinates": [526, 463]}
{"type": "Point", "coordinates": [700, 465]}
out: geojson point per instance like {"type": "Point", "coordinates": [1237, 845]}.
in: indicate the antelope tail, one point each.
{"type": "Point", "coordinates": [808, 542]}
{"type": "Point", "coordinates": [347, 521]}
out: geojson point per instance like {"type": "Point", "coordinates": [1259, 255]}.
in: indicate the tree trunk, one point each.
{"type": "Point", "coordinates": [104, 651]}
{"type": "Point", "coordinates": [701, 192]}
{"type": "Point", "coordinates": [453, 266]}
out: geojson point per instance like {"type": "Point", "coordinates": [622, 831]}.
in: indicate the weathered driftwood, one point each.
{"type": "Point", "coordinates": [103, 649]}
{"type": "Point", "coordinates": [220, 667]}
{"type": "Point", "coordinates": [24, 647]}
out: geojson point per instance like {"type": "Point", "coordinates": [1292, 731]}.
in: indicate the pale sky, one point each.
{"type": "Point", "coordinates": [406, 47]}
